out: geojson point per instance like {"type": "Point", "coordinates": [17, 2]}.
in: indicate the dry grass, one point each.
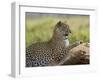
{"type": "Point", "coordinates": [41, 29]}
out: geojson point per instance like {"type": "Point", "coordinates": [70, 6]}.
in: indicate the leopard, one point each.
{"type": "Point", "coordinates": [51, 52]}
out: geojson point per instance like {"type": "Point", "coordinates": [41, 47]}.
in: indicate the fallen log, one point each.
{"type": "Point", "coordinates": [77, 55]}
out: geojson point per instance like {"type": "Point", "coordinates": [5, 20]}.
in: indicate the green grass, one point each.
{"type": "Point", "coordinates": [41, 29]}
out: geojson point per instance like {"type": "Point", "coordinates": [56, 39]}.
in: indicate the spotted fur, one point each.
{"type": "Point", "coordinates": [49, 53]}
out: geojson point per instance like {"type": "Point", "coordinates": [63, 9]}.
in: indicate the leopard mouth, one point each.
{"type": "Point", "coordinates": [65, 36]}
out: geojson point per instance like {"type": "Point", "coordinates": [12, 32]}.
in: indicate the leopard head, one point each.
{"type": "Point", "coordinates": [62, 30]}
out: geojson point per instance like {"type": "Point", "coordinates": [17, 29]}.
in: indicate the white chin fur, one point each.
{"type": "Point", "coordinates": [66, 41]}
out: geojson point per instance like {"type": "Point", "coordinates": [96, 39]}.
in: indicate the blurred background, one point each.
{"type": "Point", "coordinates": [39, 26]}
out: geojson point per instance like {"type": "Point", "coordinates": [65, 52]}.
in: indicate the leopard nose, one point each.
{"type": "Point", "coordinates": [66, 34]}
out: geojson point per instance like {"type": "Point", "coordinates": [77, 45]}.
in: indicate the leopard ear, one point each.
{"type": "Point", "coordinates": [57, 26]}
{"type": "Point", "coordinates": [59, 23]}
